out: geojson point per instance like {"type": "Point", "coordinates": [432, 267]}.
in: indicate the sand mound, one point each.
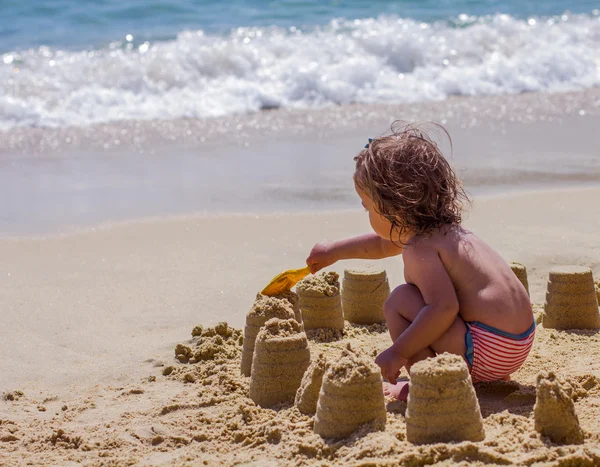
{"type": "Point", "coordinates": [264, 309]}
{"type": "Point", "coordinates": [320, 301]}
{"type": "Point", "coordinates": [554, 411]}
{"type": "Point", "coordinates": [292, 298]}
{"type": "Point", "coordinates": [571, 301]}
{"type": "Point", "coordinates": [217, 343]}
{"type": "Point", "coordinates": [280, 359]}
{"type": "Point", "coordinates": [318, 285]}
{"type": "Point", "coordinates": [442, 405]}
{"type": "Point", "coordinates": [351, 395]}
{"type": "Point", "coordinates": [201, 414]}
{"type": "Point", "coordinates": [308, 392]}
{"type": "Point", "coordinates": [363, 295]}
{"type": "Point", "coordinates": [521, 273]}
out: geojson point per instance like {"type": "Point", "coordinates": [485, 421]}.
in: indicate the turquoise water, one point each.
{"type": "Point", "coordinates": [66, 63]}
{"type": "Point", "coordinates": [95, 23]}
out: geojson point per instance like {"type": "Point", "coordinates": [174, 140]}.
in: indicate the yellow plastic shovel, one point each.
{"type": "Point", "coordinates": [285, 281]}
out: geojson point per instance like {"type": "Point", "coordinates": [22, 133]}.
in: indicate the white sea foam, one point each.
{"type": "Point", "coordinates": [363, 61]}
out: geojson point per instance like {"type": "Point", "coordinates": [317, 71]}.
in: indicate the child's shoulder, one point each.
{"type": "Point", "coordinates": [447, 236]}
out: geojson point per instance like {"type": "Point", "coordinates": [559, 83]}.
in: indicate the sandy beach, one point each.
{"type": "Point", "coordinates": [160, 162]}
{"type": "Point", "coordinates": [89, 322]}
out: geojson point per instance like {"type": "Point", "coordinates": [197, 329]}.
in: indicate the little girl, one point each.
{"type": "Point", "coordinates": [460, 296]}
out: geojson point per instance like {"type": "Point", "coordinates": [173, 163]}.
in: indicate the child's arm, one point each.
{"type": "Point", "coordinates": [367, 246]}
{"type": "Point", "coordinates": [429, 274]}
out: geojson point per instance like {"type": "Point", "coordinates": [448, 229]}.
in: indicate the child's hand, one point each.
{"type": "Point", "coordinates": [321, 256]}
{"type": "Point", "coordinates": [390, 362]}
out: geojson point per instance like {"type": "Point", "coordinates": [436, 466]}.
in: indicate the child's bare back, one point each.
{"type": "Point", "coordinates": [486, 288]}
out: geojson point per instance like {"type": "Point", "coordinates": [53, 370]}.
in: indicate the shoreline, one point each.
{"type": "Point", "coordinates": [149, 221]}
{"type": "Point", "coordinates": [301, 167]}
{"type": "Point", "coordinates": [149, 136]}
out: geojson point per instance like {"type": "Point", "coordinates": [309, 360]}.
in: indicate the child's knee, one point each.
{"type": "Point", "coordinates": [404, 297]}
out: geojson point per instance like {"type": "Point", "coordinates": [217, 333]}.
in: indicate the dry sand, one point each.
{"type": "Point", "coordinates": [521, 272]}
{"type": "Point", "coordinates": [365, 291]}
{"type": "Point", "coordinates": [442, 405]}
{"type": "Point", "coordinates": [280, 359]}
{"type": "Point", "coordinates": [263, 309]}
{"type": "Point", "coordinates": [351, 395]}
{"type": "Point", "coordinates": [320, 301]}
{"type": "Point", "coordinates": [92, 323]}
{"type": "Point", "coordinates": [571, 301]}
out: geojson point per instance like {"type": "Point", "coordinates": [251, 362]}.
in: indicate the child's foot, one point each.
{"type": "Point", "coordinates": [398, 391]}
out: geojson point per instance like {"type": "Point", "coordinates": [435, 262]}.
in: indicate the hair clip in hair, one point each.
{"type": "Point", "coordinates": [367, 145]}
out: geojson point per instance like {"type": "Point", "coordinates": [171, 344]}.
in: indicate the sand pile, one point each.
{"type": "Point", "coordinates": [351, 395]}
{"type": "Point", "coordinates": [204, 357]}
{"type": "Point", "coordinates": [320, 301]}
{"type": "Point", "coordinates": [280, 359]}
{"type": "Point", "coordinates": [571, 301]}
{"type": "Point", "coordinates": [219, 343]}
{"type": "Point", "coordinates": [554, 410]}
{"type": "Point", "coordinates": [292, 298]}
{"type": "Point", "coordinates": [442, 405]}
{"type": "Point", "coordinates": [201, 414]}
{"type": "Point", "coordinates": [308, 392]}
{"type": "Point", "coordinates": [264, 309]}
{"type": "Point", "coordinates": [364, 291]}
{"type": "Point", "coordinates": [521, 273]}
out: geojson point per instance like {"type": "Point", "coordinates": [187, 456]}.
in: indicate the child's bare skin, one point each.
{"type": "Point", "coordinates": [452, 277]}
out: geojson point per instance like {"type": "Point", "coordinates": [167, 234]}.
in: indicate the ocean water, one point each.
{"type": "Point", "coordinates": [66, 63]}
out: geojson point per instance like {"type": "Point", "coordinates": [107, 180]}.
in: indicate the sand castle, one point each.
{"type": "Point", "coordinates": [364, 291]}
{"type": "Point", "coordinates": [521, 273]}
{"type": "Point", "coordinates": [292, 298]}
{"type": "Point", "coordinates": [571, 301]}
{"type": "Point", "coordinates": [308, 392]}
{"type": "Point", "coordinates": [320, 301]}
{"type": "Point", "coordinates": [351, 394]}
{"type": "Point", "coordinates": [442, 405]}
{"type": "Point", "coordinates": [264, 309]}
{"type": "Point", "coordinates": [554, 411]}
{"type": "Point", "coordinates": [280, 359]}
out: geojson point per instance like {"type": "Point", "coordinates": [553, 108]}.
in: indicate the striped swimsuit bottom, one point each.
{"type": "Point", "coordinates": [494, 354]}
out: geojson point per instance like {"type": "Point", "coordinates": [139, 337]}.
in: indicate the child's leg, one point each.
{"type": "Point", "coordinates": [404, 301]}
{"type": "Point", "coordinates": [401, 308]}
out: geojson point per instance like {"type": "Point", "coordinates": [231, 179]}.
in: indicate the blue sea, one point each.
{"type": "Point", "coordinates": [66, 62]}
{"type": "Point", "coordinates": [116, 109]}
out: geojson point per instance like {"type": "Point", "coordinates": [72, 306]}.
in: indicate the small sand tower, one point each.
{"type": "Point", "coordinates": [351, 395]}
{"type": "Point", "coordinates": [521, 273]}
{"type": "Point", "coordinates": [292, 297]}
{"type": "Point", "coordinates": [280, 359]}
{"type": "Point", "coordinates": [264, 309]}
{"type": "Point", "coordinates": [320, 301]}
{"type": "Point", "coordinates": [308, 392]}
{"type": "Point", "coordinates": [571, 301]}
{"type": "Point", "coordinates": [364, 291]}
{"type": "Point", "coordinates": [442, 405]}
{"type": "Point", "coordinates": [554, 411]}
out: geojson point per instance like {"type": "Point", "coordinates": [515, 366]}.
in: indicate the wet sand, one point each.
{"type": "Point", "coordinates": [280, 161]}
